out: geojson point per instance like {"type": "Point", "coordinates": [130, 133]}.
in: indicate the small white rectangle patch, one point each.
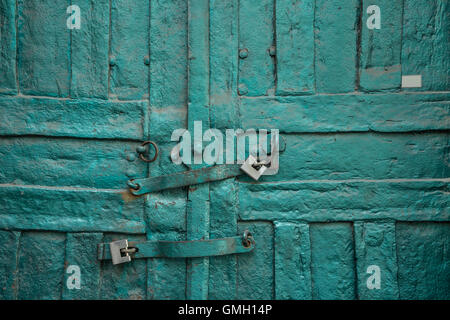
{"type": "Point", "coordinates": [412, 81]}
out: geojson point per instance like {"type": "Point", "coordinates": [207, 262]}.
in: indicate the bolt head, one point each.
{"type": "Point", "coordinates": [272, 51]}
{"type": "Point", "coordinates": [243, 53]}
{"type": "Point", "coordinates": [141, 149]}
{"type": "Point", "coordinates": [242, 90]}
{"type": "Point", "coordinates": [130, 173]}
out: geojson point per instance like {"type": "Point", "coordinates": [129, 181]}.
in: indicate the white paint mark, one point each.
{"type": "Point", "coordinates": [374, 21]}
{"type": "Point", "coordinates": [74, 280]}
{"type": "Point", "coordinates": [74, 21]}
{"type": "Point", "coordinates": [413, 81]}
{"type": "Point", "coordinates": [374, 280]}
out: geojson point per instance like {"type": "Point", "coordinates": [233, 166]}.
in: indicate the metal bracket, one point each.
{"type": "Point", "coordinates": [119, 251]}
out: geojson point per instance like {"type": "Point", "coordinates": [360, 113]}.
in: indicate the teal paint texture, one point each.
{"type": "Point", "coordinates": [364, 174]}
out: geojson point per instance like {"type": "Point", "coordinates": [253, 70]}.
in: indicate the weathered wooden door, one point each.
{"type": "Point", "coordinates": [358, 209]}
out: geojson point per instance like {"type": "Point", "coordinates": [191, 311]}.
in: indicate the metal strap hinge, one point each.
{"type": "Point", "coordinates": [122, 251]}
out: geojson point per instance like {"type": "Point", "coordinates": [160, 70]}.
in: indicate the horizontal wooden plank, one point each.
{"type": "Point", "coordinates": [84, 118]}
{"type": "Point", "coordinates": [69, 162]}
{"type": "Point", "coordinates": [402, 200]}
{"type": "Point", "coordinates": [70, 209]}
{"type": "Point", "coordinates": [400, 112]}
{"type": "Point", "coordinates": [338, 156]}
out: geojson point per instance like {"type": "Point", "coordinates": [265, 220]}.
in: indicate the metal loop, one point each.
{"type": "Point", "coordinates": [133, 185]}
{"type": "Point", "coordinates": [141, 155]}
{"type": "Point", "coordinates": [247, 239]}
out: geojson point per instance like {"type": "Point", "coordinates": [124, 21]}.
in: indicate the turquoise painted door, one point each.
{"type": "Point", "coordinates": [358, 210]}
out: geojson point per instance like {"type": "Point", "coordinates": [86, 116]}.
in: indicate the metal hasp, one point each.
{"type": "Point", "coordinates": [122, 251]}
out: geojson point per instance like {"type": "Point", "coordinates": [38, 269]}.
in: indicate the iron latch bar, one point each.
{"type": "Point", "coordinates": [183, 179]}
{"type": "Point", "coordinates": [122, 251]}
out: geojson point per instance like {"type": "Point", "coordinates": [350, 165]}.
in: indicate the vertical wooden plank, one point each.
{"type": "Point", "coordinates": [44, 39]}
{"type": "Point", "coordinates": [333, 264]}
{"type": "Point", "coordinates": [197, 219]}
{"type": "Point", "coordinates": [376, 247]}
{"type": "Point", "coordinates": [90, 51]}
{"type": "Point", "coordinates": [125, 281]}
{"type": "Point", "coordinates": [168, 67]}
{"type": "Point", "coordinates": [9, 249]}
{"type": "Point", "coordinates": [380, 66]}
{"type": "Point", "coordinates": [41, 266]}
{"type": "Point", "coordinates": [81, 251]}
{"type": "Point", "coordinates": [256, 36]}
{"type": "Point", "coordinates": [423, 250]}
{"type": "Point", "coordinates": [426, 45]}
{"type": "Point", "coordinates": [166, 218]}
{"type": "Point", "coordinates": [336, 45]}
{"type": "Point", "coordinates": [256, 269]}
{"type": "Point", "coordinates": [129, 49]}
{"type": "Point", "coordinates": [224, 44]}
{"type": "Point", "coordinates": [295, 46]}
{"type": "Point", "coordinates": [166, 211]}
{"type": "Point", "coordinates": [8, 48]}
{"type": "Point", "coordinates": [292, 261]}
{"type": "Point", "coordinates": [223, 276]}
{"type": "Point", "coordinates": [223, 95]}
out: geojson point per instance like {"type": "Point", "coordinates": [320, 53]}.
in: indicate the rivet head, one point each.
{"type": "Point", "coordinates": [131, 157]}
{"type": "Point", "coordinates": [272, 51]}
{"type": "Point", "coordinates": [147, 60]}
{"type": "Point", "coordinates": [112, 61]}
{"type": "Point", "coordinates": [243, 53]}
{"type": "Point", "coordinates": [130, 173]}
{"type": "Point", "coordinates": [242, 89]}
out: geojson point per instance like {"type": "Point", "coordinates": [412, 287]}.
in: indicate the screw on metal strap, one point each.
{"type": "Point", "coordinates": [141, 150]}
